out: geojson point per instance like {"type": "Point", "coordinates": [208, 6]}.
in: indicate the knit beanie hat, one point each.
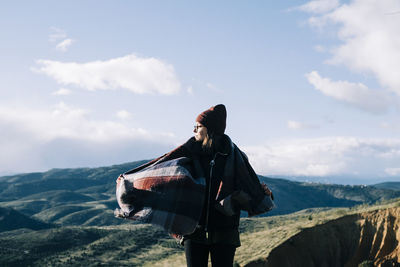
{"type": "Point", "coordinates": [214, 119]}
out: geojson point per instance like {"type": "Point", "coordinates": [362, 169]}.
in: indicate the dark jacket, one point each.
{"type": "Point", "coordinates": [212, 219]}
{"type": "Point", "coordinates": [232, 183]}
{"type": "Point", "coordinates": [214, 226]}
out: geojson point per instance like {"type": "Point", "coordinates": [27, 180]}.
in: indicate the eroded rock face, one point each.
{"type": "Point", "coordinates": [379, 238]}
{"type": "Point", "coordinates": [347, 241]}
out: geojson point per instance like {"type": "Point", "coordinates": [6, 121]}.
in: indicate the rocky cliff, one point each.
{"type": "Point", "coordinates": [365, 239]}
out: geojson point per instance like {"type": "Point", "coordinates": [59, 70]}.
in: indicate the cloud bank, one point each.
{"type": "Point", "coordinates": [354, 94]}
{"type": "Point", "coordinates": [66, 136]}
{"type": "Point", "coordinates": [139, 75]}
{"type": "Point", "coordinates": [327, 156]}
{"type": "Point", "coordinates": [369, 44]}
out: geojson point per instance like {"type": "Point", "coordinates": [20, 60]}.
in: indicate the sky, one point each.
{"type": "Point", "coordinates": [312, 88]}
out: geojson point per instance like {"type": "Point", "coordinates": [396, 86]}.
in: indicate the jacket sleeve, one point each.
{"type": "Point", "coordinates": [248, 194]}
{"type": "Point", "coordinates": [259, 203]}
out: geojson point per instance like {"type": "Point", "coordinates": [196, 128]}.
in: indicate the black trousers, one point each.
{"type": "Point", "coordinates": [197, 254]}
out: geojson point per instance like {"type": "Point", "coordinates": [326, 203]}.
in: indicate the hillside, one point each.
{"type": "Point", "coordinates": [145, 245]}
{"type": "Point", "coordinates": [294, 196]}
{"type": "Point", "coordinates": [86, 196]}
{"type": "Point", "coordinates": [388, 185]}
{"type": "Point", "coordinates": [132, 245]}
{"type": "Point", "coordinates": [81, 196]}
{"type": "Point", "coordinates": [65, 217]}
{"type": "Point", "coordinates": [11, 220]}
{"type": "Point", "coordinates": [365, 238]}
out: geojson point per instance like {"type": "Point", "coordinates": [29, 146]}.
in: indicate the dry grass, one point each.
{"type": "Point", "coordinates": [260, 235]}
{"type": "Point", "coordinates": [275, 230]}
{"type": "Point", "coordinates": [144, 245]}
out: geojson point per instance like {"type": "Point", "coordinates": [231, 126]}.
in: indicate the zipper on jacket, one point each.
{"type": "Point", "coordinates": [212, 163]}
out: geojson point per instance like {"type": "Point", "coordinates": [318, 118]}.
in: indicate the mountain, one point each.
{"type": "Point", "coordinates": [86, 196]}
{"type": "Point", "coordinates": [18, 186]}
{"type": "Point", "coordinates": [388, 185]}
{"type": "Point", "coordinates": [348, 179]}
{"type": "Point", "coordinates": [146, 245]}
{"type": "Point", "coordinates": [81, 196]}
{"type": "Point", "coordinates": [65, 217]}
{"type": "Point", "coordinates": [293, 196]}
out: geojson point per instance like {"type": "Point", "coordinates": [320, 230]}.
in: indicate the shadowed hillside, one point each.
{"type": "Point", "coordinates": [11, 220]}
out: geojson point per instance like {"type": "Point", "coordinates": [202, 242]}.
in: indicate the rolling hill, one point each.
{"type": "Point", "coordinates": [86, 196]}
{"type": "Point", "coordinates": [261, 238]}
{"type": "Point", "coordinates": [388, 185]}
{"type": "Point", "coordinates": [11, 220]}
{"type": "Point", "coordinates": [65, 217]}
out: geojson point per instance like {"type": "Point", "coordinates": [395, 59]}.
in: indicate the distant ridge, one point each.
{"type": "Point", "coordinates": [291, 196]}
{"type": "Point", "coordinates": [388, 185]}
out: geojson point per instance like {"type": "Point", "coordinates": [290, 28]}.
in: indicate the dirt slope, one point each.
{"type": "Point", "coordinates": [348, 241]}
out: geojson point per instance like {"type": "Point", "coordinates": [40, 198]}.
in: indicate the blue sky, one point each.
{"type": "Point", "coordinates": [311, 88]}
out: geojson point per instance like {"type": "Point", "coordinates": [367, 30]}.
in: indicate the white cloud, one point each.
{"type": "Point", "coordinates": [138, 74]}
{"type": "Point", "coordinates": [393, 171]}
{"type": "Point", "coordinates": [56, 34]}
{"type": "Point", "coordinates": [123, 114]}
{"type": "Point", "coordinates": [60, 36]}
{"type": "Point", "coordinates": [65, 136]}
{"type": "Point", "coordinates": [64, 45]}
{"type": "Point", "coordinates": [370, 38]}
{"type": "Point", "coordinates": [64, 121]}
{"type": "Point", "coordinates": [319, 6]}
{"type": "Point", "coordinates": [295, 125]}
{"type": "Point", "coordinates": [62, 92]}
{"type": "Point", "coordinates": [325, 156]}
{"type": "Point", "coordinates": [354, 94]}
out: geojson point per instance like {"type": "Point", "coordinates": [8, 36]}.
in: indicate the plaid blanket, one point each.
{"type": "Point", "coordinates": [164, 193]}
{"type": "Point", "coordinates": [170, 190]}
